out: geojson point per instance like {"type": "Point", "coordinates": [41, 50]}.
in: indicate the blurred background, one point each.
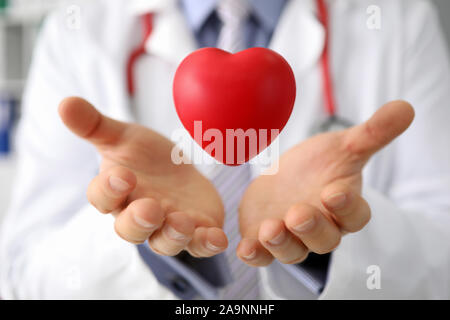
{"type": "Point", "coordinates": [20, 21]}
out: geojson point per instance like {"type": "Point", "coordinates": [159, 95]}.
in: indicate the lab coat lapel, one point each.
{"type": "Point", "coordinates": [299, 36]}
{"type": "Point", "coordinates": [171, 38]}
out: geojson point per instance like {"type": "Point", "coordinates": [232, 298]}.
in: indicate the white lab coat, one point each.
{"type": "Point", "coordinates": [55, 245]}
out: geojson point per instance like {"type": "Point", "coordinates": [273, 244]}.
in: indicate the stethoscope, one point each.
{"type": "Point", "coordinates": [332, 123]}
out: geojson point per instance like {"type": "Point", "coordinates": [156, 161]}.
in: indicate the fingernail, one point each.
{"type": "Point", "coordinates": [174, 234]}
{"type": "Point", "coordinates": [118, 184]}
{"type": "Point", "coordinates": [143, 223]}
{"type": "Point", "coordinates": [336, 201]}
{"type": "Point", "coordinates": [250, 256]}
{"type": "Point", "coordinates": [212, 247]}
{"type": "Point", "coordinates": [278, 239]}
{"type": "Point", "coordinates": [305, 226]}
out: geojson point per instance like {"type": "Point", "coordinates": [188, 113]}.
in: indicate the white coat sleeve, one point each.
{"type": "Point", "coordinates": [53, 243]}
{"type": "Point", "coordinates": [404, 251]}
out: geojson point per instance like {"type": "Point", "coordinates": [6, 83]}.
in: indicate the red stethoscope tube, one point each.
{"type": "Point", "coordinates": [147, 24]}
{"type": "Point", "coordinates": [330, 105]}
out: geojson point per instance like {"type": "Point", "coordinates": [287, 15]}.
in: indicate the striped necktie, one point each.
{"type": "Point", "coordinates": [231, 182]}
{"type": "Point", "coordinates": [233, 14]}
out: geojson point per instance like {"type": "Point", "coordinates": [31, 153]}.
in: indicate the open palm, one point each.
{"type": "Point", "coordinates": [315, 197]}
{"type": "Point", "coordinates": [173, 206]}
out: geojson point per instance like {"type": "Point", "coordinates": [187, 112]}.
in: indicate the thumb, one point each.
{"type": "Point", "coordinates": [86, 122]}
{"type": "Point", "coordinates": [385, 125]}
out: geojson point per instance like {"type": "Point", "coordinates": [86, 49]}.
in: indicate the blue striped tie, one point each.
{"type": "Point", "coordinates": [231, 183]}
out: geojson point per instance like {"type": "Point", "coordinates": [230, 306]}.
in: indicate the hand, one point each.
{"type": "Point", "coordinates": [315, 197]}
{"type": "Point", "coordinates": [173, 206]}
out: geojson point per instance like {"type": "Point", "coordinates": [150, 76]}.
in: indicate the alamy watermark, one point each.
{"type": "Point", "coordinates": [73, 17]}
{"type": "Point", "coordinates": [73, 278]}
{"type": "Point", "coordinates": [232, 147]}
{"type": "Point", "coordinates": [373, 21]}
{"type": "Point", "coordinates": [373, 282]}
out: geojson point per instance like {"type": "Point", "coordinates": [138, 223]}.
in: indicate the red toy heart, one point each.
{"type": "Point", "coordinates": [253, 89]}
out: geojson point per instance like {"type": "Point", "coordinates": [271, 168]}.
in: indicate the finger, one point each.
{"type": "Point", "coordinates": [281, 243]}
{"type": "Point", "coordinates": [109, 190]}
{"type": "Point", "coordinates": [253, 253]}
{"type": "Point", "coordinates": [86, 122]}
{"type": "Point", "coordinates": [174, 236]}
{"type": "Point", "coordinates": [349, 209]}
{"type": "Point", "coordinates": [318, 234]}
{"type": "Point", "coordinates": [139, 220]}
{"type": "Point", "coordinates": [207, 242]}
{"type": "Point", "coordinates": [385, 125]}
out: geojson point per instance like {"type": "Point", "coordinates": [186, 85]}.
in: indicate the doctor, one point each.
{"type": "Point", "coordinates": [55, 244]}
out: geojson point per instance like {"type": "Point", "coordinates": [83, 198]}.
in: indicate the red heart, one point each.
{"type": "Point", "coordinates": [253, 89]}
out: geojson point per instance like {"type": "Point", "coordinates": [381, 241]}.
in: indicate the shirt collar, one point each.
{"type": "Point", "coordinates": [266, 11]}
